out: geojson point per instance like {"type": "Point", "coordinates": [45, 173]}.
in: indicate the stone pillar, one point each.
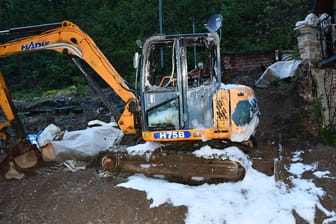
{"type": "Point", "coordinates": [308, 43]}
{"type": "Point", "coordinates": [325, 79]}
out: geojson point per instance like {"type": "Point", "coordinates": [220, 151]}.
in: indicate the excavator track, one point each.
{"type": "Point", "coordinates": [173, 165]}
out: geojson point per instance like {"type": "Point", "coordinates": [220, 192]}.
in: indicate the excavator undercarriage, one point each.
{"type": "Point", "coordinates": [183, 164]}
{"type": "Point", "coordinates": [175, 166]}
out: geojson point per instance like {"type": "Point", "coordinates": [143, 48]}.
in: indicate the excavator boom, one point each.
{"type": "Point", "coordinates": [8, 108]}
{"type": "Point", "coordinates": [67, 38]}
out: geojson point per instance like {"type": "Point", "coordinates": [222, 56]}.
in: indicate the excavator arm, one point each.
{"type": "Point", "coordinates": [9, 111]}
{"type": "Point", "coordinates": [67, 38]}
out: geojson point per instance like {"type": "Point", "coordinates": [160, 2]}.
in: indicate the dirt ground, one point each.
{"type": "Point", "coordinates": [53, 195]}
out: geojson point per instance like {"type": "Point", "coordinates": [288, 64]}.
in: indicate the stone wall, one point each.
{"type": "Point", "coordinates": [310, 48]}
{"type": "Point", "coordinates": [326, 91]}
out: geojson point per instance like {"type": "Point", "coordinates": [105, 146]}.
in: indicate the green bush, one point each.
{"type": "Point", "coordinates": [328, 134]}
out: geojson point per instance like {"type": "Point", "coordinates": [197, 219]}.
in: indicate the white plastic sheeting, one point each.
{"type": "Point", "coordinates": [276, 71]}
{"type": "Point", "coordinates": [84, 144]}
{"type": "Point", "coordinates": [80, 145]}
{"type": "Point", "coordinates": [311, 19]}
{"type": "Point", "coordinates": [52, 132]}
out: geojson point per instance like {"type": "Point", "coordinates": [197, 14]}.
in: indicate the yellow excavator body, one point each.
{"type": "Point", "coordinates": [179, 95]}
{"type": "Point", "coordinates": [200, 107]}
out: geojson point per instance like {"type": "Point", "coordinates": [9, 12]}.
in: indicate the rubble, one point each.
{"type": "Point", "coordinates": [74, 148]}
{"type": "Point", "coordinates": [22, 156]}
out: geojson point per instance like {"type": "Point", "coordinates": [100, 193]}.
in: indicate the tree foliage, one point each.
{"type": "Point", "coordinates": [115, 26]}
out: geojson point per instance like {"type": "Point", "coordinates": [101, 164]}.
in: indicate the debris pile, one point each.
{"type": "Point", "coordinates": [75, 149]}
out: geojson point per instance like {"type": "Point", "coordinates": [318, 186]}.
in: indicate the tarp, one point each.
{"type": "Point", "coordinates": [84, 144]}
{"type": "Point", "coordinates": [80, 145]}
{"type": "Point", "coordinates": [278, 70]}
{"type": "Point", "coordinates": [311, 20]}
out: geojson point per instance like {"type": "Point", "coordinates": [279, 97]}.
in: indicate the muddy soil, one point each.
{"type": "Point", "coordinates": [53, 195]}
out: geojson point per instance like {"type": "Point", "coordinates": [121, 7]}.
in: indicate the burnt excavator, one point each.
{"type": "Point", "coordinates": [179, 99]}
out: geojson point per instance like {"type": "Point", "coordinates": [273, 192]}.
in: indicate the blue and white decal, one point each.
{"type": "Point", "coordinates": [171, 134]}
{"type": "Point", "coordinates": [32, 45]}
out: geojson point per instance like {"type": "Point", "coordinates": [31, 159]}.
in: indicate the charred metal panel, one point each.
{"type": "Point", "coordinates": [200, 114]}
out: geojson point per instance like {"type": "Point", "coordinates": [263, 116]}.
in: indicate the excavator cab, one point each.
{"type": "Point", "coordinates": [181, 93]}
{"type": "Point", "coordinates": [176, 91]}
